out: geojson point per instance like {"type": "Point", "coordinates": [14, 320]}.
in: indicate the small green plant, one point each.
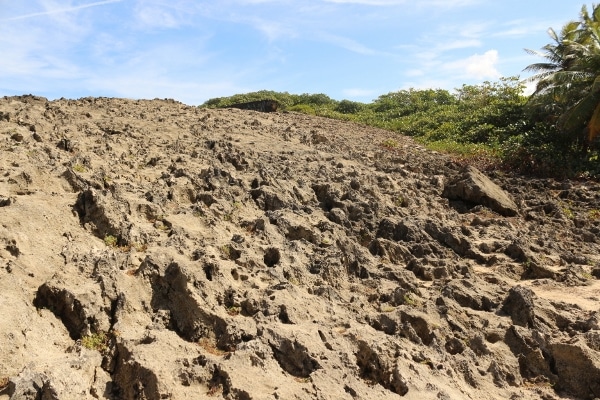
{"type": "Point", "coordinates": [110, 241]}
{"type": "Point", "coordinates": [386, 308]}
{"type": "Point", "coordinates": [400, 201]}
{"type": "Point", "coordinates": [140, 247]}
{"type": "Point", "coordinates": [96, 341]}
{"type": "Point", "coordinates": [79, 168]}
{"type": "Point", "coordinates": [594, 215]}
{"type": "Point", "coordinates": [233, 311]}
{"type": "Point", "coordinates": [161, 226]}
{"type": "Point", "coordinates": [226, 251]}
{"type": "Point", "coordinates": [566, 209]}
{"type": "Point", "coordinates": [408, 300]}
{"type": "Point", "coordinates": [390, 143]}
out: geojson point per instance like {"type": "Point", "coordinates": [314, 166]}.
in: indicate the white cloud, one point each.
{"type": "Point", "coordinates": [477, 66]}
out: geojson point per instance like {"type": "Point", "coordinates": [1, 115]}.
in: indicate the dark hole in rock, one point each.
{"type": "Point", "coordinates": [454, 346]}
{"type": "Point", "coordinates": [283, 315]}
{"type": "Point", "coordinates": [350, 391]}
{"type": "Point", "coordinates": [209, 271]}
{"type": "Point", "coordinates": [13, 249]}
{"type": "Point", "coordinates": [293, 358]}
{"type": "Point", "coordinates": [235, 274]}
{"type": "Point", "coordinates": [272, 257]}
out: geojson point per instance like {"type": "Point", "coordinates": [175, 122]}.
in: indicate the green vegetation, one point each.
{"type": "Point", "coordinates": [110, 241]}
{"type": "Point", "coordinates": [233, 310]}
{"type": "Point", "coordinates": [96, 341]}
{"type": "Point", "coordinates": [79, 168]}
{"type": "Point", "coordinates": [390, 143]}
{"type": "Point", "coordinates": [553, 132]}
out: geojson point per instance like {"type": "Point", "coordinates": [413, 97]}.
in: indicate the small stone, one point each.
{"type": "Point", "coordinates": [5, 201]}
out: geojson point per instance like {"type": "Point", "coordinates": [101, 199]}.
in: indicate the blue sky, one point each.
{"type": "Point", "coordinates": [196, 50]}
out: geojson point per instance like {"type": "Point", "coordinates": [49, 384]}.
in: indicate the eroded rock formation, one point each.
{"type": "Point", "coordinates": [153, 250]}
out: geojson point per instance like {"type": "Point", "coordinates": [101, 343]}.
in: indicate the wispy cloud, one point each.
{"type": "Point", "coordinates": [519, 28]}
{"type": "Point", "coordinates": [61, 10]}
{"type": "Point", "coordinates": [271, 28]}
{"type": "Point", "coordinates": [164, 14]}
{"type": "Point", "coordinates": [346, 43]}
{"type": "Point", "coordinates": [369, 2]}
{"type": "Point", "coordinates": [441, 3]}
{"type": "Point", "coordinates": [458, 44]}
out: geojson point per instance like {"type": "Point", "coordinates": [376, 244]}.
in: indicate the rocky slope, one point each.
{"type": "Point", "coordinates": [153, 250]}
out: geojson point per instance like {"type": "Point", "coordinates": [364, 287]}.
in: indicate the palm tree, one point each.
{"type": "Point", "coordinates": [568, 84]}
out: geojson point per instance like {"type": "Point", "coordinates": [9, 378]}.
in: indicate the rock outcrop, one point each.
{"type": "Point", "coordinates": [475, 188]}
{"type": "Point", "coordinates": [153, 250]}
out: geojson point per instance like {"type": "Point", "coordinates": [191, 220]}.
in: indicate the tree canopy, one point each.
{"type": "Point", "coordinates": [568, 83]}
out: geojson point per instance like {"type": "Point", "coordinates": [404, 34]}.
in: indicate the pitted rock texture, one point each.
{"type": "Point", "coordinates": [154, 250]}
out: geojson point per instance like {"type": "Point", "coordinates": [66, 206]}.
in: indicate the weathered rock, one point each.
{"type": "Point", "coordinates": [577, 368]}
{"type": "Point", "coordinates": [102, 214]}
{"type": "Point", "coordinates": [474, 187]}
{"type": "Point", "coordinates": [519, 304]}
{"type": "Point", "coordinates": [82, 309]}
{"type": "Point", "coordinates": [179, 252]}
{"type": "Point", "coordinates": [31, 385]}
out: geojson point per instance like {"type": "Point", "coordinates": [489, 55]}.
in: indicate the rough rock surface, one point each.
{"type": "Point", "coordinates": [153, 250]}
{"type": "Point", "coordinates": [475, 187]}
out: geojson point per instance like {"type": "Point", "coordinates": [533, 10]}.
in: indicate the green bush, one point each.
{"type": "Point", "coordinates": [302, 108]}
{"type": "Point", "coordinates": [349, 107]}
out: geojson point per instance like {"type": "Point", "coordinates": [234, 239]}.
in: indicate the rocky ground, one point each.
{"type": "Point", "coordinates": [153, 250]}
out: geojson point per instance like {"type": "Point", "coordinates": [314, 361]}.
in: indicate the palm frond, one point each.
{"type": "Point", "coordinates": [594, 124]}
{"type": "Point", "coordinates": [578, 116]}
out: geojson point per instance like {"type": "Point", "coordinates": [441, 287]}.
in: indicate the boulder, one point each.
{"type": "Point", "coordinates": [475, 187]}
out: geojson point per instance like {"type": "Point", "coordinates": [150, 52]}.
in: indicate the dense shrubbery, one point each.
{"type": "Point", "coordinates": [285, 99]}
